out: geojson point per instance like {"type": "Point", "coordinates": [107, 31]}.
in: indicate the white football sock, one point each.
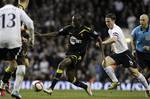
{"type": "Point", "coordinates": [142, 79]}
{"type": "Point", "coordinates": [19, 77]}
{"type": "Point", "coordinates": [110, 72]}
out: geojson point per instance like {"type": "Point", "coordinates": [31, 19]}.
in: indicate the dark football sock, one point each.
{"type": "Point", "coordinates": [80, 84]}
{"type": "Point", "coordinates": [55, 80]}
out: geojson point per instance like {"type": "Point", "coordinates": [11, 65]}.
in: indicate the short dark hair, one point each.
{"type": "Point", "coordinates": [111, 15]}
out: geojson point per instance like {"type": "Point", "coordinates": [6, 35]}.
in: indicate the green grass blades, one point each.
{"type": "Point", "coordinates": [80, 94]}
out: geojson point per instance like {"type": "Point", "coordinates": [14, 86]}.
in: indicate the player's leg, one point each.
{"type": "Point", "coordinates": [132, 66]}
{"type": "Point", "coordinates": [147, 69]}
{"type": "Point", "coordinates": [7, 74]}
{"type": "Point", "coordinates": [8, 54]}
{"type": "Point", "coordinates": [141, 78]}
{"type": "Point", "coordinates": [147, 73]}
{"type": "Point", "coordinates": [72, 78]}
{"type": "Point", "coordinates": [20, 72]}
{"type": "Point", "coordinates": [65, 62]}
{"type": "Point", "coordinates": [108, 64]}
{"type": "Point", "coordinates": [143, 60]}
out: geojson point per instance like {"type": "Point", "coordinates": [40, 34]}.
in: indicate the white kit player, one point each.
{"type": "Point", "coordinates": [121, 54]}
{"type": "Point", "coordinates": [10, 38]}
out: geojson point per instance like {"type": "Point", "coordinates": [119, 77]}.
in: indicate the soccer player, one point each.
{"type": "Point", "coordinates": [11, 41]}
{"type": "Point", "coordinates": [141, 44]}
{"type": "Point", "coordinates": [22, 59]}
{"type": "Point", "coordinates": [121, 55]}
{"type": "Point", "coordinates": [79, 38]}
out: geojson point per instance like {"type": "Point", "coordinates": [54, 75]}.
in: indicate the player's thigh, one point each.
{"type": "Point", "coordinates": [127, 60]}
{"type": "Point", "coordinates": [64, 63]}
{"type": "Point", "coordinates": [21, 58]}
{"type": "Point", "coordinates": [108, 61]}
{"type": "Point", "coordinates": [75, 58]}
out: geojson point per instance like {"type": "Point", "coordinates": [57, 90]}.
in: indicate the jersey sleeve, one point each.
{"type": "Point", "coordinates": [65, 30]}
{"type": "Point", "coordinates": [133, 33]}
{"type": "Point", "coordinates": [93, 34]}
{"type": "Point", "coordinates": [26, 19]}
{"type": "Point", "coordinates": [116, 35]}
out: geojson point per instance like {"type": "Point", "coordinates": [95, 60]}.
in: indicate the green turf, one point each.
{"type": "Point", "coordinates": [79, 94]}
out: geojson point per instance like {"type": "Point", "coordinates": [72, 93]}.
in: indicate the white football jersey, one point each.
{"type": "Point", "coordinates": [10, 26]}
{"type": "Point", "coordinates": [120, 45]}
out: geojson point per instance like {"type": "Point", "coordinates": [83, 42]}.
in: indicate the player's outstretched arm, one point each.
{"type": "Point", "coordinates": [51, 34]}
{"type": "Point", "coordinates": [110, 40]}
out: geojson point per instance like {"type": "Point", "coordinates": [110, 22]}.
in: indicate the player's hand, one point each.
{"type": "Point", "coordinates": [146, 48]}
{"type": "Point", "coordinates": [134, 53]}
{"type": "Point", "coordinates": [97, 44]}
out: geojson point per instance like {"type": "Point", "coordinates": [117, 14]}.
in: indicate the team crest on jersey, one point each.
{"type": "Point", "coordinates": [74, 40]}
{"type": "Point", "coordinates": [131, 63]}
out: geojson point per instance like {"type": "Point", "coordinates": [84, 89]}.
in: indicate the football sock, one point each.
{"type": "Point", "coordinates": [110, 72]}
{"type": "Point", "coordinates": [143, 81]}
{"type": "Point", "coordinates": [19, 77]}
{"type": "Point", "coordinates": [80, 84]}
{"type": "Point", "coordinates": [56, 79]}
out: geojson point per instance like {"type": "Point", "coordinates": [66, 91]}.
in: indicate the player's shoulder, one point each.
{"type": "Point", "coordinates": [136, 29]}
{"type": "Point", "coordinates": [8, 6]}
{"type": "Point", "coordinates": [116, 27]}
{"type": "Point", "coordinates": [86, 28]}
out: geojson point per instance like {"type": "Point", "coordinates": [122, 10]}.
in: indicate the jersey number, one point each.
{"type": "Point", "coordinates": [11, 20]}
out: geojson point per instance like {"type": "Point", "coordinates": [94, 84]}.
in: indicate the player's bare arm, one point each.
{"type": "Point", "coordinates": [110, 40]}
{"type": "Point", "coordinates": [133, 47]}
{"type": "Point", "coordinates": [51, 34]}
{"type": "Point", "coordinates": [99, 42]}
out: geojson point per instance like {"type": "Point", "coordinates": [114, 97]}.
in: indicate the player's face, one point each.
{"type": "Point", "coordinates": [109, 22]}
{"type": "Point", "coordinates": [143, 21]}
{"type": "Point", "coordinates": [75, 22]}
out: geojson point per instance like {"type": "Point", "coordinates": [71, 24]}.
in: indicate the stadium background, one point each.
{"type": "Point", "coordinates": [51, 15]}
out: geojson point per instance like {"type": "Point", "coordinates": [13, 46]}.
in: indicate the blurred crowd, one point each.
{"type": "Point", "coordinates": [52, 15]}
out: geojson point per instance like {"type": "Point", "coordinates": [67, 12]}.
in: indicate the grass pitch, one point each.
{"type": "Point", "coordinates": [80, 94]}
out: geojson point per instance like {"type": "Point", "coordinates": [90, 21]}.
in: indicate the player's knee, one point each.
{"type": "Point", "coordinates": [20, 61]}
{"type": "Point", "coordinates": [134, 71]}
{"type": "Point", "coordinates": [21, 70]}
{"type": "Point", "coordinates": [108, 62]}
{"type": "Point", "coordinates": [26, 62]}
{"type": "Point", "coordinates": [72, 79]}
{"type": "Point", "coordinates": [60, 71]}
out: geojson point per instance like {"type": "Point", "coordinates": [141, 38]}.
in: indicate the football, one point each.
{"type": "Point", "coordinates": [37, 85]}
